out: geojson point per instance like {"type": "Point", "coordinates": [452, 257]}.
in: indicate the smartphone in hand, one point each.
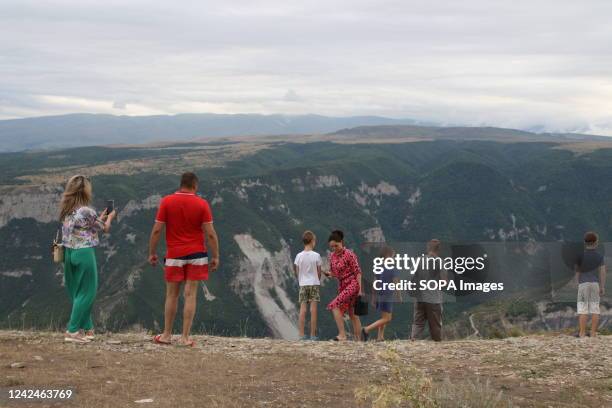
{"type": "Point", "coordinates": [110, 206]}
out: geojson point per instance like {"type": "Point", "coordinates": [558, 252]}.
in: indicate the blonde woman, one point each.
{"type": "Point", "coordinates": [80, 227]}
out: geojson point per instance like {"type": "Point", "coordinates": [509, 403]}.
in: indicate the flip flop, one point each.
{"type": "Point", "coordinates": [157, 340]}
{"type": "Point", "coordinates": [337, 339]}
{"type": "Point", "coordinates": [191, 343]}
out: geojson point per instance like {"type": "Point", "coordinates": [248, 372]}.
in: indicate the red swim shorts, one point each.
{"type": "Point", "coordinates": [191, 267]}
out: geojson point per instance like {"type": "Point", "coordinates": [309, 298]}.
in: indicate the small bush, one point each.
{"type": "Point", "coordinates": [406, 387]}
{"type": "Point", "coordinates": [522, 308]}
{"type": "Point", "coordinates": [515, 332]}
{"type": "Point", "coordinates": [409, 387]}
{"type": "Point", "coordinates": [471, 394]}
{"type": "Point", "coordinates": [496, 333]}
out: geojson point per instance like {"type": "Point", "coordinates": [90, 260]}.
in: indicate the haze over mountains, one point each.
{"type": "Point", "coordinates": [83, 129]}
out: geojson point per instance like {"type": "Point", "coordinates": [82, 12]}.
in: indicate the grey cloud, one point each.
{"type": "Point", "coordinates": [292, 96]}
{"type": "Point", "coordinates": [522, 63]}
{"type": "Point", "coordinates": [119, 105]}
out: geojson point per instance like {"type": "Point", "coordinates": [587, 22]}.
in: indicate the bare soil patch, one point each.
{"type": "Point", "coordinates": [117, 370]}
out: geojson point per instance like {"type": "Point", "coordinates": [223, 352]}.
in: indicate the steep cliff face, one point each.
{"type": "Point", "coordinates": [133, 206]}
{"type": "Point", "coordinates": [39, 203]}
{"type": "Point", "coordinates": [265, 275]}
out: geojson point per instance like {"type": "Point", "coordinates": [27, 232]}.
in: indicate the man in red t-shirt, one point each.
{"type": "Point", "coordinates": [187, 219]}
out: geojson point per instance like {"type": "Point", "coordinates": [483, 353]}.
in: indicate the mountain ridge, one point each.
{"type": "Point", "coordinates": [463, 133]}
{"type": "Point", "coordinates": [85, 129]}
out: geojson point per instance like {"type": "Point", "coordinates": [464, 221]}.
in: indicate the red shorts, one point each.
{"type": "Point", "coordinates": [191, 267]}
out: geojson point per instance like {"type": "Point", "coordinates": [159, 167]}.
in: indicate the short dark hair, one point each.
{"type": "Point", "coordinates": [308, 237]}
{"type": "Point", "coordinates": [189, 180]}
{"type": "Point", "coordinates": [336, 235]}
{"type": "Point", "coordinates": [591, 238]}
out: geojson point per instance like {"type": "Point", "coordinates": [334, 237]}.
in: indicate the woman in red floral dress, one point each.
{"type": "Point", "coordinates": [344, 266]}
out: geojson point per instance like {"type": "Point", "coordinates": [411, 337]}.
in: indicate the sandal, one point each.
{"type": "Point", "coordinates": [190, 343]}
{"type": "Point", "coordinates": [75, 338]}
{"type": "Point", "coordinates": [364, 334]}
{"type": "Point", "coordinates": [157, 340]}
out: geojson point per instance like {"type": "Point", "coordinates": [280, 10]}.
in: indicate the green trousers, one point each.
{"type": "Point", "coordinates": [81, 277]}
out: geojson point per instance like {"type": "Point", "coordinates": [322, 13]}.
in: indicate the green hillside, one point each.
{"type": "Point", "coordinates": [458, 191]}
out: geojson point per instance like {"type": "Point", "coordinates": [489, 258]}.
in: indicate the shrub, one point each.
{"type": "Point", "coordinates": [409, 387]}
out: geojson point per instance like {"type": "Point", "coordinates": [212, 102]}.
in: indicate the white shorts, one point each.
{"type": "Point", "coordinates": [588, 298]}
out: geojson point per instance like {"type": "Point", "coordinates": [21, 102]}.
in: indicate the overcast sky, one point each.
{"type": "Point", "coordinates": [517, 63]}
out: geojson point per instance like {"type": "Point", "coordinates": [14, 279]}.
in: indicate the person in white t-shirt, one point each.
{"type": "Point", "coordinates": [307, 267]}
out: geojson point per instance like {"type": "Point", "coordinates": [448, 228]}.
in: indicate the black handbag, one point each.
{"type": "Point", "coordinates": [361, 306]}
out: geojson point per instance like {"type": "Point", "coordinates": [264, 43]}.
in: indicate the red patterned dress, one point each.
{"type": "Point", "coordinates": [345, 267]}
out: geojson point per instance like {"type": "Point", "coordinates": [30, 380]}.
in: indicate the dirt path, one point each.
{"type": "Point", "coordinates": [115, 371]}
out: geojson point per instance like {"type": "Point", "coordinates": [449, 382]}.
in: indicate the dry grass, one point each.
{"type": "Point", "coordinates": [407, 386]}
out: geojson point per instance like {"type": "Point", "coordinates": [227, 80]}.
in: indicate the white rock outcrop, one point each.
{"type": "Point", "coordinates": [16, 274]}
{"type": "Point", "coordinates": [40, 204]}
{"type": "Point", "coordinates": [265, 275]}
{"type": "Point", "coordinates": [366, 195]}
{"type": "Point", "coordinates": [373, 235]}
{"type": "Point", "coordinates": [133, 206]}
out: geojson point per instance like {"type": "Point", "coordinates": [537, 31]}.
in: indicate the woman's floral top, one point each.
{"type": "Point", "coordinates": [80, 228]}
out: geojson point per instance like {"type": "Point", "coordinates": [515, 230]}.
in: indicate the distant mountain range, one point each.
{"type": "Point", "coordinates": [460, 133]}
{"type": "Point", "coordinates": [83, 129]}
{"type": "Point", "coordinates": [76, 130]}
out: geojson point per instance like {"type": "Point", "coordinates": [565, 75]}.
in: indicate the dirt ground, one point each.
{"type": "Point", "coordinates": [118, 370]}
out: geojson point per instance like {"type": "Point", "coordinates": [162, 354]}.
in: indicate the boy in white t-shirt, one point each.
{"type": "Point", "coordinates": [307, 267]}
